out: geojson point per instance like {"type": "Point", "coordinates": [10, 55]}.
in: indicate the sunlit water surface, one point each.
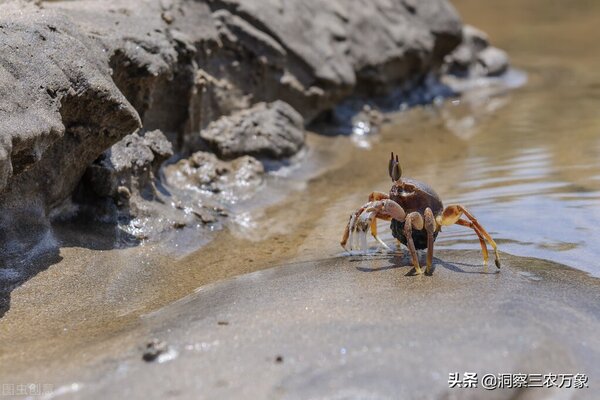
{"type": "Point", "coordinates": [525, 162]}
{"type": "Point", "coordinates": [532, 169]}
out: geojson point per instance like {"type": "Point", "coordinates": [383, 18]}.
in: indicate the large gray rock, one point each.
{"type": "Point", "coordinates": [59, 110]}
{"type": "Point", "coordinates": [151, 59]}
{"type": "Point", "coordinates": [313, 53]}
{"type": "Point", "coordinates": [77, 76]}
{"type": "Point", "coordinates": [268, 130]}
{"type": "Point", "coordinates": [59, 107]}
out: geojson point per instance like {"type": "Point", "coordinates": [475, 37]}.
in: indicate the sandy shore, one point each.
{"type": "Point", "coordinates": [359, 327]}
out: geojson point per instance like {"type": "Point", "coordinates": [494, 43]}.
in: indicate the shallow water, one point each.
{"type": "Point", "coordinates": [532, 170]}
{"type": "Point", "coordinates": [525, 162]}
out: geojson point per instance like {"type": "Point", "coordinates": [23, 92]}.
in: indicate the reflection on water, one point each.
{"type": "Point", "coordinates": [532, 207]}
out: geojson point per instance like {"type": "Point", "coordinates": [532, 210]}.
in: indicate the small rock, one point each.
{"type": "Point", "coordinates": [475, 57]}
{"type": "Point", "coordinates": [367, 121]}
{"type": "Point", "coordinates": [269, 130]}
{"type": "Point", "coordinates": [205, 171]}
{"type": "Point", "coordinates": [153, 349]}
{"type": "Point", "coordinates": [124, 192]}
{"type": "Point", "coordinates": [475, 38]}
{"type": "Point", "coordinates": [129, 165]}
{"type": "Point", "coordinates": [159, 144]}
{"type": "Point", "coordinates": [179, 225]}
{"type": "Point", "coordinates": [167, 16]}
{"type": "Point", "coordinates": [493, 60]}
{"type": "Point", "coordinates": [205, 216]}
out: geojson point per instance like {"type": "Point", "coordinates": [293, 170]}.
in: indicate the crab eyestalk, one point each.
{"type": "Point", "coordinates": [394, 168]}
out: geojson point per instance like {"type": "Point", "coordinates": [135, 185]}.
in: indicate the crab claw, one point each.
{"type": "Point", "coordinates": [356, 230]}
{"type": "Point", "coordinates": [348, 232]}
{"type": "Point", "coordinates": [363, 224]}
{"type": "Point", "coordinates": [363, 220]}
{"type": "Point", "coordinates": [394, 210]}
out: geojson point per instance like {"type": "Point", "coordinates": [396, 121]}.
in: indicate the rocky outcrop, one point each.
{"type": "Point", "coordinates": [77, 77]}
{"type": "Point", "coordinates": [183, 64]}
{"type": "Point", "coordinates": [312, 54]}
{"type": "Point", "coordinates": [59, 110]}
{"type": "Point", "coordinates": [59, 107]}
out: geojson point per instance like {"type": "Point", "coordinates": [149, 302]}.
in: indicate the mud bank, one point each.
{"type": "Point", "coordinates": [351, 327]}
{"type": "Point", "coordinates": [76, 77]}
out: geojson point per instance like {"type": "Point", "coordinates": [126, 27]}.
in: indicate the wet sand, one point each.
{"type": "Point", "coordinates": [356, 327]}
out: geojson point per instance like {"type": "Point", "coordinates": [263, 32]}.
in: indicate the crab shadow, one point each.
{"type": "Point", "coordinates": [403, 260]}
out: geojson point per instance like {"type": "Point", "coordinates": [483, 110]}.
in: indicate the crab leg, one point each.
{"type": "Point", "coordinates": [374, 196]}
{"type": "Point", "coordinates": [452, 214]}
{"type": "Point", "coordinates": [430, 228]}
{"type": "Point", "coordinates": [374, 233]}
{"type": "Point", "coordinates": [348, 235]}
{"type": "Point", "coordinates": [484, 249]}
{"type": "Point", "coordinates": [415, 220]}
{"type": "Point", "coordinates": [386, 210]}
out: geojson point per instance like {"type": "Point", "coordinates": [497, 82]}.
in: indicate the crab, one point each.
{"type": "Point", "coordinates": [417, 216]}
